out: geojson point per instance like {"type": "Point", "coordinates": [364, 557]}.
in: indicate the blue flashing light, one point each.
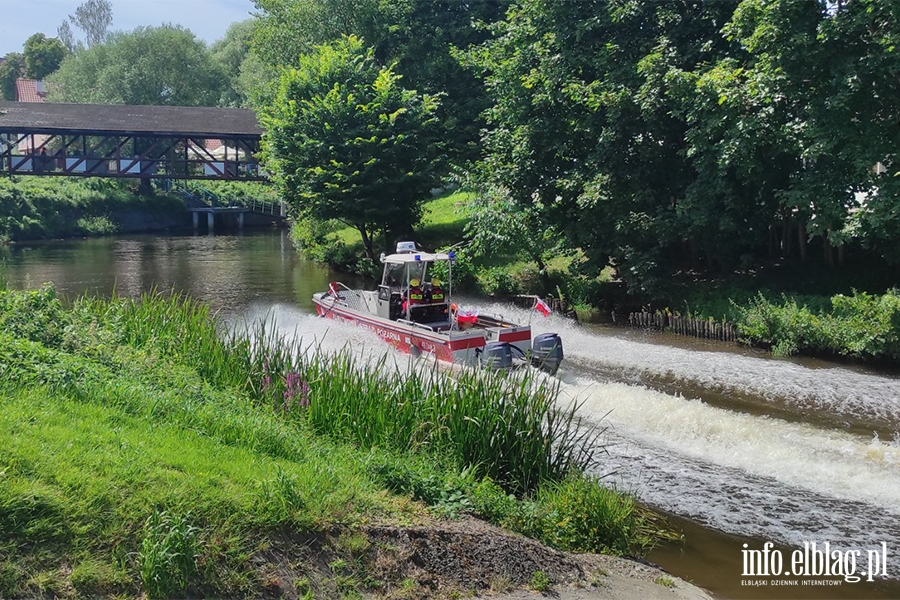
{"type": "Point", "coordinates": [451, 254]}
{"type": "Point", "coordinates": [418, 257]}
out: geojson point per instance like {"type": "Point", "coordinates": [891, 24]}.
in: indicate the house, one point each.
{"type": "Point", "coordinates": [30, 90]}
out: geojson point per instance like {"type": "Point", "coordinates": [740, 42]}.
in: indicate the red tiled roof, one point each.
{"type": "Point", "coordinates": [27, 91]}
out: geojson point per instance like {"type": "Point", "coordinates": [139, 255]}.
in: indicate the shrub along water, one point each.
{"type": "Point", "coordinates": [862, 326]}
{"type": "Point", "coordinates": [39, 207]}
{"type": "Point", "coordinates": [143, 447]}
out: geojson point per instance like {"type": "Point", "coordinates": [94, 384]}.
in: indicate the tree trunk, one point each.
{"type": "Point", "coordinates": [146, 187]}
{"type": "Point", "coordinates": [801, 239]}
{"type": "Point", "coordinates": [840, 249]}
{"type": "Point", "coordinates": [367, 243]}
{"type": "Point", "coordinates": [786, 237]}
{"type": "Point", "coordinates": [826, 250]}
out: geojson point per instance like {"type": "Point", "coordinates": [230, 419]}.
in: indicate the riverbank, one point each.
{"type": "Point", "coordinates": [143, 453]}
{"type": "Point", "coordinates": [41, 208]}
{"type": "Point", "coordinates": [35, 208]}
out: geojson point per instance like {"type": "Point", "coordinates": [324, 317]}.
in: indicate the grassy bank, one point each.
{"type": "Point", "coordinates": [144, 451]}
{"type": "Point", "coordinates": [46, 207]}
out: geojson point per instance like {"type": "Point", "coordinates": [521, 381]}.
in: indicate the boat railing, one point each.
{"type": "Point", "coordinates": [350, 297]}
{"type": "Point", "coordinates": [416, 325]}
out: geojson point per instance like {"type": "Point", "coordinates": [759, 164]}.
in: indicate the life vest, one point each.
{"type": "Point", "coordinates": [416, 296]}
{"type": "Point", "coordinates": [437, 295]}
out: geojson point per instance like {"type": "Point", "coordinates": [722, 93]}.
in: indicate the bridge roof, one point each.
{"type": "Point", "coordinates": [120, 119]}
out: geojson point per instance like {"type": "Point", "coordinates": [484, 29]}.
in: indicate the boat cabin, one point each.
{"type": "Point", "coordinates": [409, 291]}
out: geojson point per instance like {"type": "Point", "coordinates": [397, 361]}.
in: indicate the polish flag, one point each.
{"type": "Point", "coordinates": [467, 315]}
{"type": "Point", "coordinates": [542, 307]}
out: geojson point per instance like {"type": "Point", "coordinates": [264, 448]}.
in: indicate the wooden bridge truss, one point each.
{"type": "Point", "coordinates": [136, 142]}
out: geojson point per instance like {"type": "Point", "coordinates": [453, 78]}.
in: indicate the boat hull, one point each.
{"type": "Point", "coordinates": [459, 347]}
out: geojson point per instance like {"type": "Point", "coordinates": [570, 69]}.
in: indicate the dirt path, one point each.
{"type": "Point", "coordinates": [613, 579]}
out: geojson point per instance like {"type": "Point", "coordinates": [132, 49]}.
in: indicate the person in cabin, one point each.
{"type": "Point", "coordinates": [437, 293]}
{"type": "Point", "coordinates": [416, 295]}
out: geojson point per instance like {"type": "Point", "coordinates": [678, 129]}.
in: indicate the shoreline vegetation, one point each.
{"type": "Point", "coordinates": [34, 208]}
{"type": "Point", "coordinates": [145, 450]}
{"type": "Point", "coordinates": [41, 207]}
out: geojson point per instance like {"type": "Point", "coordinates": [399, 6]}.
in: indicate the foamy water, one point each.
{"type": "Point", "coordinates": [747, 475]}
{"type": "Point", "coordinates": [836, 390]}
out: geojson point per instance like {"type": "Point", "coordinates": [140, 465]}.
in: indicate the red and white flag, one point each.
{"type": "Point", "coordinates": [542, 307]}
{"type": "Point", "coordinates": [332, 287]}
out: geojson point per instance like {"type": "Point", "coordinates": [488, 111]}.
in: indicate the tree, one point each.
{"type": "Point", "coordinates": [345, 141]}
{"type": "Point", "coordinates": [288, 29]}
{"type": "Point", "coordinates": [418, 36]}
{"type": "Point", "coordinates": [151, 65]}
{"type": "Point", "coordinates": [12, 67]}
{"type": "Point", "coordinates": [43, 55]}
{"type": "Point", "coordinates": [582, 132]}
{"type": "Point", "coordinates": [229, 54]}
{"type": "Point", "coordinates": [65, 35]}
{"type": "Point", "coordinates": [788, 130]}
{"type": "Point", "coordinates": [93, 18]}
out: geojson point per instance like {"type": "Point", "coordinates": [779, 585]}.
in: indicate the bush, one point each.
{"type": "Point", "coordinates": [498, 281]}
{"type": "Point", "coordinates": [861, 326]}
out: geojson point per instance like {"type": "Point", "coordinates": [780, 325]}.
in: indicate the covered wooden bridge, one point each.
{"type": "Point", "coordinates": [103, 140]}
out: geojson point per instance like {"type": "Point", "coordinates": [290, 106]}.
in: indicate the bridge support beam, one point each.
{"type": "Point", "coordinates": [210, 221]}
{"type": "Point", "coordinates": [195, 217]}
{"type": "Point", "coordinates": [240, 221]}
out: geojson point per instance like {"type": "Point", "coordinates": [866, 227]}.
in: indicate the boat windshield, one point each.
{"type": "Point", "coordinates": [397, 276]}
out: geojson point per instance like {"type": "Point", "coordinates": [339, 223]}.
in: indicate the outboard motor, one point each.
{"type": "Point", "coordinates": [496, 356]}
{"type": "Point", "coordinates": [547, 352]}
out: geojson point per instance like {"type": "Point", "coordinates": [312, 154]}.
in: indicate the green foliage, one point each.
{"type": "Point", "coordinates": [577, 514]}
{"type": "Point", "coordinates": [164, 65]}
{"type": "Point", "coordinates": [861, 326]}
{"type": "Point", "coordinates": [584, 516]}
{"type": "Point", "coordinates": [12, 67]}
{"type": "Point", "coordinates": [289, 29]}
{"type": "Point", "coordinates": [231, 54]}
{"type": "Point", "coordinates": [37, 207]}
{"type": "Point", "coordinates": [43, 55]}
{"type": "Point", "coordinates": [664, 581]}
{"type": "Point", "coordinates": [35, 316]}
{"type": "Point", "coordinates": [237, 193]}
{"type": "Point", "coordinates": [168, 554]}
{"type": "Point", "coordinates": [539, 582]}
{"type": "Point", "coordinates": [345, 141]}
{"type": "Point", "coordinates": [498, 281]}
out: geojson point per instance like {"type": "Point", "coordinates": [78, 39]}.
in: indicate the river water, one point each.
{"type": "Point", "coordinates": [738, 447]}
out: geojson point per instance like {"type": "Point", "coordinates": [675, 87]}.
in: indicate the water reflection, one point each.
{"type": "Point", "coordinates": [230, 272]}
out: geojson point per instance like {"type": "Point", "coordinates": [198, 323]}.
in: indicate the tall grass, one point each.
{"type": "Point", "coordinates": [507, 428]}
